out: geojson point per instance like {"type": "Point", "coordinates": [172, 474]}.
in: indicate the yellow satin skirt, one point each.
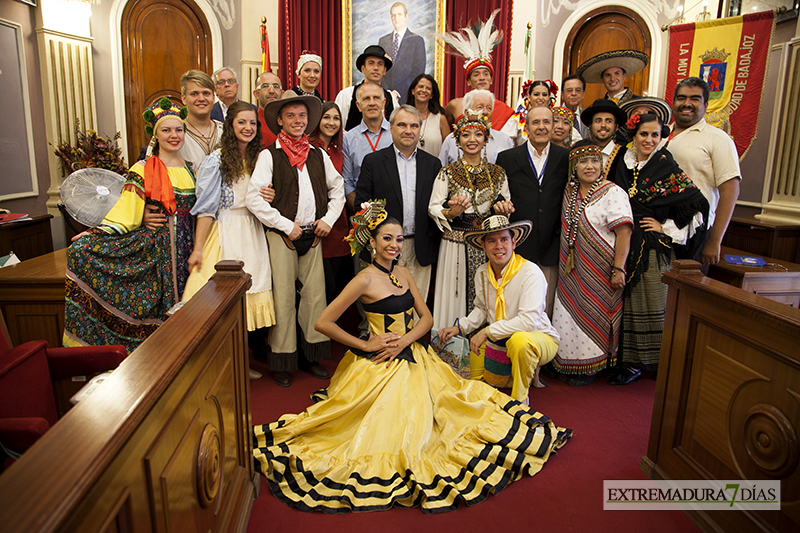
{"type": "Point", "coordinates": [411, 434]}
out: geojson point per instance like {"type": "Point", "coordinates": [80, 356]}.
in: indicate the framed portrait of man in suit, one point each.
{"type": "Point", "coordinates": [405, 29]}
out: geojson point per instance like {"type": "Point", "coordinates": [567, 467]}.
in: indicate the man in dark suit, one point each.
{"type": "Point", "coordinates": [404, 175]}
{"type": "Point", "coordinates": [537, 174]}
{"type": "Point", "coordinates": [407, 51]}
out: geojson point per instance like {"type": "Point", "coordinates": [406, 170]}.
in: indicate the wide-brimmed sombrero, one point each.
{"type": "Point", "coordinates": [631, 61]}
{"type": "Point", "coordinates": [657, 106]}
{"type": "Point", "coordinates": [273, 109]}
{"type": "Point", "coordinates": [519, 230]}
{"type": "Point", "coordinates": [603, 105]}
{"type": "Point", "coordinates": [374, 50]}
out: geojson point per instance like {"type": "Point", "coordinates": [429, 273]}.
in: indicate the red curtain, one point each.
{"type": "Point", "coordinates": [459, 15]}
{"type": "Point", "coordinates": [311, 25]}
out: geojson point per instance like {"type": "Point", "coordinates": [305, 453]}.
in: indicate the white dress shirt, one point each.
{"type": "Point", "coordinates": [271, 217]}
{"type": "Point", "coordinates": [525, 297]}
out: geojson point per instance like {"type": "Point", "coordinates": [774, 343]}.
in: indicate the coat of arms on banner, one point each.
{"type": "Point", "coordinates": [714, 70]}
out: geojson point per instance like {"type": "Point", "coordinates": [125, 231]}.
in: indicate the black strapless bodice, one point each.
{"type": "Point", "coordinates": [393, 313]}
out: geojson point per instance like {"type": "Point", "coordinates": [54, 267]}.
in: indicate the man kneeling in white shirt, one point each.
{"type": "Point", "coordinates": [510, 296]}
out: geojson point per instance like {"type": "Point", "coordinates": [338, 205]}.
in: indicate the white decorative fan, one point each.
{"type": "Point", "coordinates": [90, 193]}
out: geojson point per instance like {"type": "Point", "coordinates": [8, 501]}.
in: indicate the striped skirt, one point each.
{"type": "Point", "coordinates": [643, 317]}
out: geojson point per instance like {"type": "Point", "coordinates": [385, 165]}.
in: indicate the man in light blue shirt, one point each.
{"type": "Point", "coordinates": [371, 135]}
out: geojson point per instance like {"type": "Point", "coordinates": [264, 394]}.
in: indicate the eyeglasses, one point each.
{"type": "Point", "coordinates": [229, 81]}
{"type": "Point", "coordinates": [275, 86]}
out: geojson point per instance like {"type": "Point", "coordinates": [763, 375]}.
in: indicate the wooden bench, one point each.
{"type": "Point", "coordinates": [162, 445]}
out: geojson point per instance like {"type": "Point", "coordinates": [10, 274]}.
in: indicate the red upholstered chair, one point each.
{"type": "Point", "coordinates": [28, 406]}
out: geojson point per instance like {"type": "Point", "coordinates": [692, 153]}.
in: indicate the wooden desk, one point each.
{"type": "Point", "coordinates": [32, 298]}
{"type": "Point", "coordinates": [27, 238]}
{"type": "Point", "coordinates": [726, 402]}
{"type": "Point", "coordinates": [770, 282]}
{"type": "Point", "coordinates": [763, 238]}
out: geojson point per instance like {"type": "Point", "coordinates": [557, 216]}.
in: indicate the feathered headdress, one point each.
{"type": "Point", "coordinates": [475, 43]}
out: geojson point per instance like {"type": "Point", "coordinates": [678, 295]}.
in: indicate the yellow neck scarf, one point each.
{"type": "Point", "coordinates": [512, 268]}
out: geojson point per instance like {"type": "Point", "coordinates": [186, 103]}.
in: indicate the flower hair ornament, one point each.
{"type": "Point", "coordinates": [552, 89]}
{"type": "Point", "coordinates": [633, 122]}
{"type": "Point", "coordinates": [526, 88]}
{"type": "Point", "coordinates": [371, 215]}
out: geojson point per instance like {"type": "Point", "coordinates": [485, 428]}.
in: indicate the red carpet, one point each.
{"type": "Point", "coordinates": [611, 427]}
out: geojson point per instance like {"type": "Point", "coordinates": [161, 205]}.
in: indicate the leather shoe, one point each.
{"type": "Point", "coordinates": [626, 376]}
{"type": "Point", "coordinates": [316, 370]}
{"type": "Point", "coordinates": [282, 379]}
{"type": "Point", "coordinates": [549, 372]}
{"type": "Point", "coordinates": [255, 374]}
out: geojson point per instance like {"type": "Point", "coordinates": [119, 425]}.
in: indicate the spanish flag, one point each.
{"type": "Point", "coordinates": [266, 66]}
{"type": "Point", "coordinates": [731, 55]}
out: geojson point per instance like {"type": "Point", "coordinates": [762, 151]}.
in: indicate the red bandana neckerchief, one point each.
{"type": "Point", "coordinates": [295, 149]}
{"type": "Point", "coordinates": [157, 185]}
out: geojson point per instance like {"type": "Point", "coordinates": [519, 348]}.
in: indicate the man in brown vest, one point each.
{"type": "Point", "coordinates": [309, 197]}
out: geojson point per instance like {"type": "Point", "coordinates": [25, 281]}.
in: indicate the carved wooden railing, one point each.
{"type": "Point", "coordinates": [728, 395]}
{"type": "Point", "coordinates": [162, 445]}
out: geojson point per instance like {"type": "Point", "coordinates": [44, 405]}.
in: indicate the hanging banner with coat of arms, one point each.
{"type": "Point", "coordinates": [731, 55]}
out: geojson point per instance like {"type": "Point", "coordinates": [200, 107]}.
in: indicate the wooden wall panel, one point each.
{"type": "Point", "coordinates": [728, 395]}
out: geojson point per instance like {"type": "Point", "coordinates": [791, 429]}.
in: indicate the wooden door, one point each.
{"type": "Point", "coordinates": [161, 39]}
{"type": "Point", "coordinates": [602, 30]}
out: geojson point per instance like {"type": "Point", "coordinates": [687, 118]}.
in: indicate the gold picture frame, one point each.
{"type": "Point", "coordinates": [355, 31]}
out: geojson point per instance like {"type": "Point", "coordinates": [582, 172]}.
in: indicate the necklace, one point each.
{"type": "Point", "coordinates": [574, 212]}
{"type": "Point", "coordinates": [391, 276]}
{"type": "Point", "coordinates": [476, 182]}
{"type": "Point", "coordinates": [422, 129]}
{"type": "Point", "coordinates": [206, 142]}
{"type": "Point", "coordinates": [304, 93]}
{"type": "Point", "coordinates": [633, 189]}
{"type": "Point", "coordinates": [200, 134]}
{"type": "Point", "coordinates": [479, 178]}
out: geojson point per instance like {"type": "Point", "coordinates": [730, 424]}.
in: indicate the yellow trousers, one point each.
{"type": "Point", "coordinates": [527, 350]}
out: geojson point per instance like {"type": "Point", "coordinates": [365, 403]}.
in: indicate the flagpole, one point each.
{"type": "Point", "coordinates": [266, 66]}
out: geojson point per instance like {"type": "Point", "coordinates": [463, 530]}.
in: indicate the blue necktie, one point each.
{"type": "Point", "coordinates": [395, 46]}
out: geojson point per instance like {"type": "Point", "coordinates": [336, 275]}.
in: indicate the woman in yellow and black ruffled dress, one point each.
{"type": "Point", "coordinates": [398, 426]}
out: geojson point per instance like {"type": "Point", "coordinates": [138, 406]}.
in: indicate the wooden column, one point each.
{"type": "Point", "coordinates": [784, 205]}
{"type": "Point", "coordinates": [67, 69]}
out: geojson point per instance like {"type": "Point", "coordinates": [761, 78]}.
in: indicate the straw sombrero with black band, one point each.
{"type": "Point", "coordinates": [657, 106]}
{"type": "Point", "coordinates": [273, 109]}
{"type": "Point", "coordinates": [519, 230]}
{"type": "Point", "coordinates": [631, 61]}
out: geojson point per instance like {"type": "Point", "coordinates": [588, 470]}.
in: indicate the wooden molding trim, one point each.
{"type": "Point", "coordinates": [165, 439]}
